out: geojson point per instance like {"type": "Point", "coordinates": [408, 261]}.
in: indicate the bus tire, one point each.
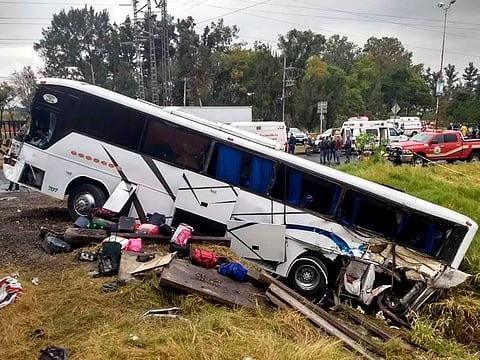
{"type": "Point", "coordinates": [83, 198]}
{"type": "Point", "coordinates": [308, 276]}
{"type": "Point", "coordinates": [474, 157]}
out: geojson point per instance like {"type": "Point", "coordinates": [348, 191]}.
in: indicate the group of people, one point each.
{"type": "Point", "coordinates": [331, 149]}
{"type": "Point", "coordinates": [471, 133]}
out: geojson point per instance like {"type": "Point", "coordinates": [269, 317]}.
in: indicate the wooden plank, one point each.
{"type": "Point", "coordinates": [376, 328]}
{"type": "Point", "coordinates": [183, 275]}
{"type": "Point", "coordinates": [277, 301]}
{"type": "Point", "coordinates": [86, 236]}
{"type": "Point", "coordinates": [319, 321]}
{"type": "Point", "coordinates": [325, 315]}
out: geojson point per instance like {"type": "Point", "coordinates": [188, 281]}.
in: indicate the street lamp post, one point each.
{"type": "Point", "coordinates": [439, 87]}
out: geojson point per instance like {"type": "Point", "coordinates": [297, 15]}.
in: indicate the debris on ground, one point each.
{"type": "Point", "coordinates": [9, 289]}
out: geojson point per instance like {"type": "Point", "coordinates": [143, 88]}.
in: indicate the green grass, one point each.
{"type": "Point", "coordinates": [73, 312]}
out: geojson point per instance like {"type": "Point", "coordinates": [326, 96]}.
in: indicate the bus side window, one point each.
{"type": "Point", "coordinates": [96, 116]}
{"type": "Point", "coordinates": [422, 234]}
{"type": "Point", "coordinates": [369, 213]}
{"type": "Point", "coordinates": [175, 145]}
{"type": "Point", "coordinates": [241, 168]}
{"type": "Point", "coordinates": [305, 190]}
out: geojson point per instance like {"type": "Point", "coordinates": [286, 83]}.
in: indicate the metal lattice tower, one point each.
{"type": "Point", "coordinates": [165, 63]}
{"type": "Point", "coordinates": [153, 59]}
{"type": "Point", "coordinates": [138, 54]}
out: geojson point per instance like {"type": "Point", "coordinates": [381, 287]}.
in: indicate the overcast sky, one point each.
{"type": "Point", "coordinates": [418, 24]}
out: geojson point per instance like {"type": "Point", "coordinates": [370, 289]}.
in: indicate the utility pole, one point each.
{"type": "Point", "coordinates": [184, 91]}
{"type": "Point", "coordinates": [165, 62]}
{"type": "Point", "coordinates": [283, 87]}
{"type": "Point", "coordinates": [439, 87]}
{"type": "Point", "coordinates": [290, 75]}
{"type": "Point", "coordinates": [138, 54]}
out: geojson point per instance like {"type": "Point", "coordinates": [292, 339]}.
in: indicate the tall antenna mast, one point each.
{"type": "Point", "coordinates": [138, 54]}
{"type": "Point", "coordinates": [153, 59]}
{"type": "Point", "coordinates": [165, 62]}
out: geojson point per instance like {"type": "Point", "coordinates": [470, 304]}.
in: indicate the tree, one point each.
{"type": "Point", "coordinates": [470, 77]}
{"type": "Point", "coordinates": [405, 86]}
{"type": "Point", "coordinates": [319, 83]}
{"type": "Point", "coordinates": [299, 46]}
{"type": "Point", "coordinates": [204, 61]}
{"type": "Point", "coordinates": [388, 53]}
{"type": "Point", "coordinates": [186, 45]}
{"type": "Point", "coordinates": [341, 53]}
{"type": "Point", "coordinates": [24, 84]}
{"type": "Point", "coordinates": [219, 37]}
{"type": "Point", "coordinates": [430, 79]}
{"type": "Point", "coordinates": [77, 39]}
{"type": "Point", "coordinates": [263, 82]}
{"type": "Point", "coordinates": [121, 58]}
{"type": "Point", "coordinates": [365, 78]}
{"type": "Point", "coordinates": [6, 97]}
{"type": "Point", "coordinates": [451, 81]}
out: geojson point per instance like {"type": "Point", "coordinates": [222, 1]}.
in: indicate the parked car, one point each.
{"type": "Point", "coordinates": [299, 135]}
{"type": "Point", "coordinates": [448, 145]}
{"type": "Point", "coordinates": [328, 132]}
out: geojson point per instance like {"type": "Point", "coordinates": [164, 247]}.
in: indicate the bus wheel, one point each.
{"type": "Point", "coordinates": [83, 198]}
{"type": "Point", "coordinates": [309, 277]}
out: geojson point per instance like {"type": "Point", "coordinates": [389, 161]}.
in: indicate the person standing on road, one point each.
{"type": "Point", "coordinates": [337, 147]}
{"type": "Point", "coordinates": [324, 150]}
{"type": "Point", "coordinates": [348, 148]}
{"type": "Point", "coordinates": [13, 186]}
{"type": "Point", "coordinates": [292, 141]}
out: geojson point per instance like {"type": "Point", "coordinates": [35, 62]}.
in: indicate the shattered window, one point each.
{"type": "Point", "coordinates": [418, 231]}
{"type": "Point", "coordinates": [369, 213]}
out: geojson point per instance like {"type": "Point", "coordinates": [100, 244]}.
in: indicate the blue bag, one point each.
{"type": "Point", "coordinates": [233, 270]}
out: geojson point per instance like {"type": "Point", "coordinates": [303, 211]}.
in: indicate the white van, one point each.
{"type": "Point", "coordinates": [275, 130]}
{"type": "Point", "coordinates": [408, 125]}
{"type": "Point", "coordinates": [379, 129]}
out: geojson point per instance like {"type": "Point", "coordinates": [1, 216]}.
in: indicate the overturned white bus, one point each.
{"type": "Point", "coordinates": [324, 231]}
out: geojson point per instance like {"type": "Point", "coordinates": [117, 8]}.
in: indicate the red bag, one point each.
{"type": "Point", "coordinates": [204, 258]}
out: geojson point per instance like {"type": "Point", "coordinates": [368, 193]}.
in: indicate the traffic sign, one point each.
{"type": "Point", "coordinates": [322, 107]}
{"type": "Point", "coordinates": [395, 109]}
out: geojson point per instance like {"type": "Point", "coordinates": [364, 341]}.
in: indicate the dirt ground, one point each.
{"type": "Point", "coordinates": [22, 215]}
